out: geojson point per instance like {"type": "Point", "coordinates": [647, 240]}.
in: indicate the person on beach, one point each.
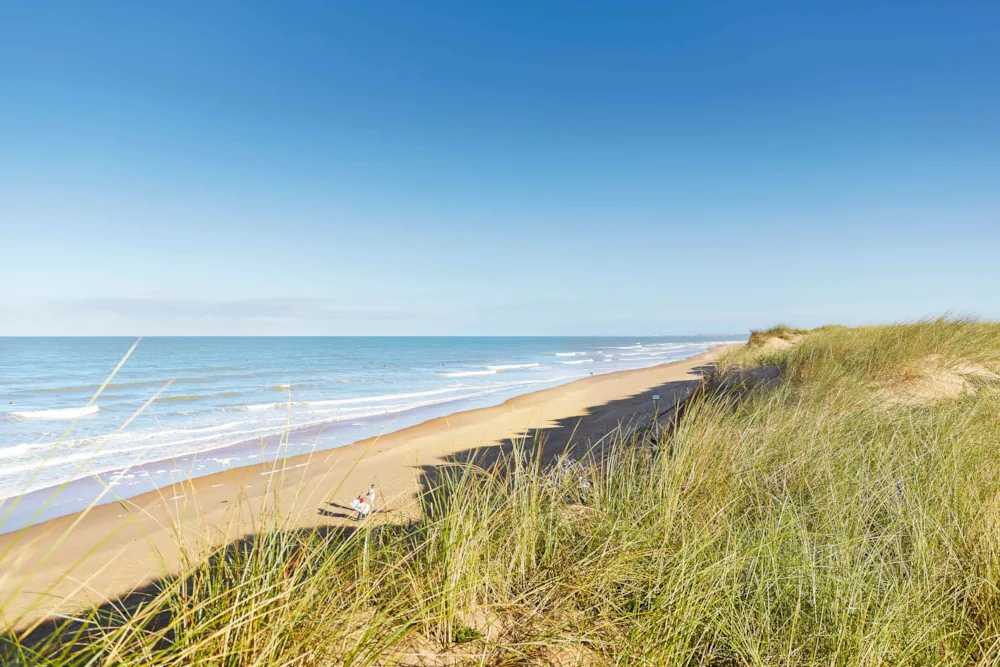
{"type": "Point", "coordinates": [360, 506]}
{"type": "Point", "coordinates": [370, 496]}
{"type": "Point", "coordinates": [363, 509]}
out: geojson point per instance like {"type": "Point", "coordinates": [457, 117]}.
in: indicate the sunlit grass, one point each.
{"type": "Point", "coordinates": [801, 523]}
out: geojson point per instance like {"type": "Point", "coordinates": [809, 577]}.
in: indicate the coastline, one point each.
{"type": "Point", "coordinates": [91, 557]}
{"type": "Point", "coordinates": [218, 406]}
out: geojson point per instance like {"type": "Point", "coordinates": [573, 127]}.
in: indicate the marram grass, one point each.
{"type": "Point", "coordinates": [804, 522]}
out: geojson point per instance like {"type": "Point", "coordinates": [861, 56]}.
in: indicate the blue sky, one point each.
{"type": "Point", "coordinates": [495, 168]}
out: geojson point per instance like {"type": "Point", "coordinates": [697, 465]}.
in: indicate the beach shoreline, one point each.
{"type": "Point", "coordinates": [223, 403]}
{"type": "Point", "coordinates": [92, 557]}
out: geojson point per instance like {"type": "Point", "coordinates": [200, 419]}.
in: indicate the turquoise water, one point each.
{"type": "Point", "coordinates": [231, 398]}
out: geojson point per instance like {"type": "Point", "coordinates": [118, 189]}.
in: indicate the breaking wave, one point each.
{"type": "Point", "coordinates": [60, 414]}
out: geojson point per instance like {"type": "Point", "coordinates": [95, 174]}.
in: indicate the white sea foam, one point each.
{"type": "Point", "coordinates": [578, 361]}
{"type": "Point", "coordinates": [185, 446]}
{"type": "Point", "coordinates": [465, 374]}
{"type": "Point", "coordinates": [568, 354]}
{"type": "Point", "coordinates": [61, 414]}
{"type": "Point", "coordinates": [86, 461]}
{"type": "Point", "coordinates": [260, 407]}
{"type": "Point", "coordinates": [512, 367]}
{"type": "Point", "coordinates": [486, 370]}
{"type": "Point", "coordinates": [33, 448]}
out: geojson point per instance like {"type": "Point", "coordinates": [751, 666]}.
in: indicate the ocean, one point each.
{"type": "Point", "coordinates": [237, 401]}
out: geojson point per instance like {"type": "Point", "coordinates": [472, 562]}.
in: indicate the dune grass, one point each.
{"type": "Point", "coordinates": [801, 523]}
{"type": "Point", "coordinates": [782, 331]}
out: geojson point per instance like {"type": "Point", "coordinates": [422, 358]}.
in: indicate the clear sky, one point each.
{"type": "Point", "coordinates": [498, 167]}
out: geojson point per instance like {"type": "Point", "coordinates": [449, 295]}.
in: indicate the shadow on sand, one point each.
{"type": "Point", "coordinates": [576, 437]}
{"type": "Point", "coordinates": [56, 635]}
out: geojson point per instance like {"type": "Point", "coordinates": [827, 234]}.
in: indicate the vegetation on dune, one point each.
{"type": "Point", "coordinates": [780, 331]}
{"type": "Point", "coordinates": [810, 521]}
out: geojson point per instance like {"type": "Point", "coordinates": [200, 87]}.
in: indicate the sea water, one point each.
{"type": "Point", "coordinates": [227, 402]}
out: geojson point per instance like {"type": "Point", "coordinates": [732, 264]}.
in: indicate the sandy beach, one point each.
{"type": "Point", "coordinates": [90, 558]}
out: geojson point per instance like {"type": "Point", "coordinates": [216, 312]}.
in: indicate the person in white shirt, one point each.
{"type": "Point", "coordinates": [363, 509]}
{"type": "Point", "coordinates": [370, 496]}
{"type": "Point", "coordinates": [361, 506]}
